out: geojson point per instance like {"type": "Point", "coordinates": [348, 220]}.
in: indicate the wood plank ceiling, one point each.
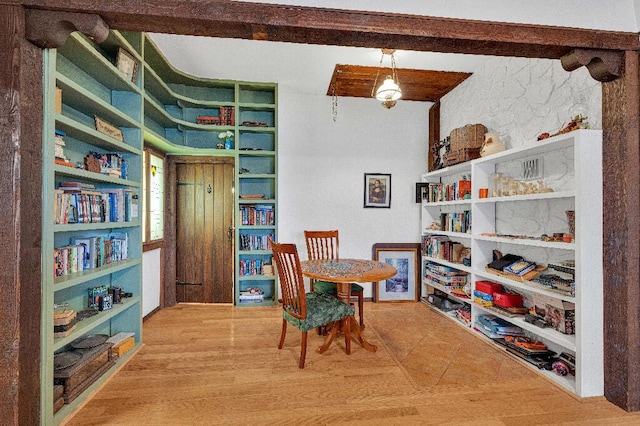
{"type": "Point", "coordinates": [417, 85]}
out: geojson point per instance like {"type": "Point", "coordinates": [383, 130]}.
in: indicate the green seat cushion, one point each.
{"type": "Point", "coordinates": [331, 288]}
{"type": "Point", "coordinates": [322, 309]}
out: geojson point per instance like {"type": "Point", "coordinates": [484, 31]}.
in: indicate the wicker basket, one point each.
{"type": "Point", "coordinates": [469, 136]}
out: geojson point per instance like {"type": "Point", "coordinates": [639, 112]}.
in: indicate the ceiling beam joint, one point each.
{"type": "Point", "coordinates": [603, 65]}
{"type": "Point", "coordinates": [49, 29]}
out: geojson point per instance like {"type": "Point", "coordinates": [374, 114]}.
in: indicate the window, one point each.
{"type": "Point", "coordinates": [153, 198]}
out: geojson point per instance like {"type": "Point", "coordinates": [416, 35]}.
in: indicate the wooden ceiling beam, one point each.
{"type": "Point", "coordinates": [344, 27]}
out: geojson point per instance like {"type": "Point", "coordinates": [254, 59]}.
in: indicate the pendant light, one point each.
{"type": "Point", "coordinates": [389, 91]}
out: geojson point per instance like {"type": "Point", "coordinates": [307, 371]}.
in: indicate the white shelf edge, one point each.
{"type": "Point", "coordinates": [567, 341]}
{"type": "Point", "coordinates": [526, 197]}
{"type": "Point", "coordinates": [459, 266]}
{"type": "Point", "coordinates": [526, 242]}
{"type": "Point", "coordinates": [522, 286]}
{"type": "Point", "coordinates": [448, 233]}
{"type": "Point", "coordinates": [464, 201]}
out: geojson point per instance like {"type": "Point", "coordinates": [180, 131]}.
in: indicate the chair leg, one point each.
{"type": "Point", "coordinates": [284, 332]}
{"type": "Point", "coordinates": [303, 349]}
{"type": "Point", "coordinates": [360, 306]}
{"type": "Point", "coordinates": [347, 335]}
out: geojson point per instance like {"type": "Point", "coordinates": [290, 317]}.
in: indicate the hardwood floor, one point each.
{"type": "Point", "coordinates": [219, 365]}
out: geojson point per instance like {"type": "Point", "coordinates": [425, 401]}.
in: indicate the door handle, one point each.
{"type": "Point", "coordinates": [186, 283]}
{"type": "Point", "coordinates": [230, 232]}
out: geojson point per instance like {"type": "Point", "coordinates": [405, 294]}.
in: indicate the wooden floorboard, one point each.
{"type": "Point", "coordinates": [219, 365]}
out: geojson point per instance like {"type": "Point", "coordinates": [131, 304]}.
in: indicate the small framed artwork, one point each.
{"type": "Point", "coordinates": [404, 286]}
{"type": "Point", "coordinates": [421, 191]}
{"type": "Point", "coordinates": [127, 64]}
{"type": "Point", "coordinates": [377, 190]}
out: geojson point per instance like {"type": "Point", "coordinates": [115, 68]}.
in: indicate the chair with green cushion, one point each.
{"type": "Point", "coordinates": [325, 245]}
{"type": "Point", "coordinates": [305, 311]}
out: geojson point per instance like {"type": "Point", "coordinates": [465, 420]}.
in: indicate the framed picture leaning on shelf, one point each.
{"type": "Point", "coordinates": [127, 64]}
{"type": "Point", "coordinates": [404, 286]}
{"type": "Point", "coordinates": [377, 190]}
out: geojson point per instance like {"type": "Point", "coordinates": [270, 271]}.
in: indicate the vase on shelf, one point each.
{"type": "Point", "coordinates": [228, 144]}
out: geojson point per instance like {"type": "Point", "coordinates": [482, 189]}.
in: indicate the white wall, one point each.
{"type": "Point", "coordinates": [521, 98]}
{"type": "Point", "coordinates": [322, 165]}
{"type": "Point", "coordinates": [151, 268]}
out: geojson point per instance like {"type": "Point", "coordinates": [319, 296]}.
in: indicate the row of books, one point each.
{"type": "Point", "coordinates": [89, 253]}
{"type": "Point", "coordinates": [255, 242]}
{"type": "Point", "coordinates": [436, 192]}
{"type": "Point", "coordinates": [227, 116]}
{"type": "Point", "coordinates": [456, 222]}
{"type": "Point", "coordinates": [258, 214]}
{"type": "Point", "coordinates": [253, 267]}
{"type": "Point", "coordinates": [86, 204]}
{"type": "Point", "coordinates": [441, 247]}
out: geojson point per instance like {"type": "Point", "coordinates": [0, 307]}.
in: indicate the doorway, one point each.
{"type": "Point", "coordinates": [204, 230]}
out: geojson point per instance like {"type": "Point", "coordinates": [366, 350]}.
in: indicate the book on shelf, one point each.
{"type": "Point", "coordinates": [227, 116]}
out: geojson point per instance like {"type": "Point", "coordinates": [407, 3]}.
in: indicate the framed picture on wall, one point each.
{"type": "Point", "coordinates": [404, 286]}
{"type": "Point", "coordinates": [377, 190]}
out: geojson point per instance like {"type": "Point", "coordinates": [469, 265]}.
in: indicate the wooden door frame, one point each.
{"type": "Point", "coordinates": [169, 278]}
{"type": "Point", "coordinates": [21, 77]}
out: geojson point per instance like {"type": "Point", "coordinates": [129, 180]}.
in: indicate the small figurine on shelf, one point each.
{"type": "Point", "coordinates": [60, 158]}
{"type": "Point", "coordinates": [492, 144]}
{"type": "Point", "coordinates": [576, 123]}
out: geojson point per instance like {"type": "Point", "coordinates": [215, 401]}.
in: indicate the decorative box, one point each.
{"type": "Point", "coordinates": [482, 299]}
{"type": "Point", "coordinates": [122, 342]}
{"type": "Point", "coordinates": [460, 156]}
{"type": "Point", "coordinates": [469, 136]}
{"type": "Point", "coordinates": [507, 300]}
{"type": "Point", "coordinates": [488, 287]}
{"type": "Point", "coordinates": [92, 363]}
{"type": "Point", "coordinates": [64, 322]}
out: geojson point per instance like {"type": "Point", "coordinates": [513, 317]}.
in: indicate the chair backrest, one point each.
{"type": "Point", "coordinates": [322, 244]}
{"type": "Point", "coordinates": [291, 283]}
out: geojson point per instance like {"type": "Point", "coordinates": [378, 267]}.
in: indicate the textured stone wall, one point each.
{"type": "Point", "coordinates": [521, 98]}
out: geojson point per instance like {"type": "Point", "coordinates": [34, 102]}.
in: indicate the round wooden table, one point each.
{"type": "Point", "coordinates": [345, 272]}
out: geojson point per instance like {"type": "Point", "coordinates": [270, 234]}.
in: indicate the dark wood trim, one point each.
{"type": "Point", "coordinates": [434, 133]}
{"type": "Point", "coordinates": [153, 245]}
{"type": "Point", "coordinates": [621, 248]}
{"type": "Point", "coordinates": [313, 25]}
{"type": "Point", "coordinates": [150, 314]}
{"type": "Point", "coordinates": [21, 235]}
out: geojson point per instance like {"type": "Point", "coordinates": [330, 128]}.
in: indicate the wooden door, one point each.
{"type": "Point", "coordinates": [204, 238]}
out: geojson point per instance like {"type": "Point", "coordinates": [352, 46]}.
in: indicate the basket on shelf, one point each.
{"type": "Point", "coordinates": [465, 144]}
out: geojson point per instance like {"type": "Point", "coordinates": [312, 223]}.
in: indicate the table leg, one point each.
{"type": "Point", "coordinates": [344, 294]}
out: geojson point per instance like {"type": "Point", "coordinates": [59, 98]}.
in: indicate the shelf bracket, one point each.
{"type": "Point", "coordinates": [603, 65]}
{"type": "Point", "coordinates": [49, 29]}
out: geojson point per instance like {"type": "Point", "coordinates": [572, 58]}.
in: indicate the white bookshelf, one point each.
{"type": "Point", "coordinates": [572, 165]}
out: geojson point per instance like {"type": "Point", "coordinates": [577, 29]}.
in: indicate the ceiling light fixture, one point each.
{"type": "Point", "coordinates": [389, 91]}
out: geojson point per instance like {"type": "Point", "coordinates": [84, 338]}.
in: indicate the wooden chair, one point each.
{"type": "Point", "coordinates": [306, 311]}
{"type": "Point", "coordinates": [325, 245]}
